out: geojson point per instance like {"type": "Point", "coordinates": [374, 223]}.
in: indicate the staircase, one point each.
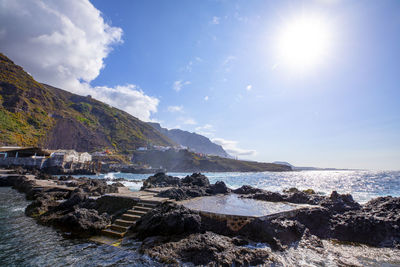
{"type": "Point", "coordinates": [114, 233]}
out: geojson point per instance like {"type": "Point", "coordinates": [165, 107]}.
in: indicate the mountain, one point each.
{"type": "Point", "coordinates": [295, 168]}
{"type": "Point", "coordinates": [193, 141]}
{"type": "Point", "coordinates": [187, 161]}
{"type": "Point", "coordinates": [35, 114]}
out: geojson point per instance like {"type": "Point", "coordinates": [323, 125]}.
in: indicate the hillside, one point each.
{"type": "Point", "coordinates": [186, 161]}
{"type": "Point", "coordinates": [193, 141]}
{"type": "Point", "coordinates": [35, 114]}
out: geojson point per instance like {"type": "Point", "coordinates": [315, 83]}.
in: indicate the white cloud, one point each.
{"type": "Point", "coordinates": [175, 108]}
{"type": "Point", "coordinates": [178, 85]}
{"type": "Point", "coordinates": [249, 87]}
{"type": "Point", "coordinates": [206, 98]}
{"type": "Point", "coordinates": [189, 121]}
{"type": "Point", "coordinates": [64, 43]}
{"type": "Point", "coordinates": [231, 147]}
{"type": "Point", "coordinates": [207, 130]}
{"type": "Point", "coordinates": [215, 20]}
{"type": "Point", "coordinates": [129, 98]}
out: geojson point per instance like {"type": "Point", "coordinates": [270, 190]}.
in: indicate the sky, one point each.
{"type": "Point", "coordinates": [313, 83]}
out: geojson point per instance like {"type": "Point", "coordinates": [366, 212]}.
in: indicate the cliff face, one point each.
{"type": "Point", "coordinates": [193, 141]}
{"type": "Point", "coordinates": [35, 114]}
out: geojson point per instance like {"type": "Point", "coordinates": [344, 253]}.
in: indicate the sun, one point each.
{"type": "Point", "coordinates": [304, 42]}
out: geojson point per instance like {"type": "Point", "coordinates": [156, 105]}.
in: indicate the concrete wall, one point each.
{"type": "Point", "coordinates": [27, 162]}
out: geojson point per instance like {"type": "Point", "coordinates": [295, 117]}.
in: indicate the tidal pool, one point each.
{"type": "Point", "coordinates": [234, 205]}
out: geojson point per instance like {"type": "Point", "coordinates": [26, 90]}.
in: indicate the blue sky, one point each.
{"type": "Point", "coordinates": [345, 113]}
{"type": "Point", "coordinates": [212, 67]}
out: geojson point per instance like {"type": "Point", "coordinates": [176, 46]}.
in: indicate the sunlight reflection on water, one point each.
{"type": "Point", "coordinates": [363, 185]}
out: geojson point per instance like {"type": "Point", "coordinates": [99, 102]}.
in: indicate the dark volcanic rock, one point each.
{"type": "Point", "coordinates": [339, 203]}
{"type": "Point", "coordinates": [196, 179]}
{"type": "Point", "coordinates": [168, 219]}
{"type": "Point", "coordinates": [267, 196]}
{"type": "Point", "coordinates": [161, 180]}
{"type": "Point", "coordinates": [218, 188]}
{"type": "Point", "coordinates": [174, 193]}
{"type": "Point", "coordinates": [75, 199]}
{"type": "Point", "coordinates": [195, 185]}
{"type": "Point", "coordinates": [247, 189]}
{"type": "Point", "coordinates": [184, 192]}
{"type": "Point", "coordinates": [207, 249]}
{"type": "Point", "coordinates": [376, 224]}
{"type": "Point", "coordinates": [279, 232]}
{"type": "Point", "coordinates": [84, 220]}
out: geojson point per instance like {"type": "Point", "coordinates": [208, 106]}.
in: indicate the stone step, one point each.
{"type": "Point", "coordinates": [146, 209]}
{"type": "Point", "coordinates": [123, 222]}
{"type": "Point", "coordinates": [128, 217]}
{"type": "Point", "coordinates": [119, 228]}
{"type": "Point", "coordinates": [113, 233]}
{"type": "Point", "coordinates": [148, 203]}
{"type": "Point", "coordinates": [108, 240]}
{"type": "Point", "coordinates": [136, 212]}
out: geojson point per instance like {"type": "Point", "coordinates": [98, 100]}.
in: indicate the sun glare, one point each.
{"type": "Point", "coordinates": [303, 42]}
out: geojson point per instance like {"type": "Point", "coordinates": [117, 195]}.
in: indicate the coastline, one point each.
{"type": "Point", "coordinates": [335, 206]}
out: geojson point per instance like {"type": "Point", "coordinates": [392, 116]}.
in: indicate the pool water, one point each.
{"type": "Point", "coordinates": [234, 205]}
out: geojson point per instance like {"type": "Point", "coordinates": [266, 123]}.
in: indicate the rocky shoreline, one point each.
{"type": "Point", "coordinates": [174, 234]}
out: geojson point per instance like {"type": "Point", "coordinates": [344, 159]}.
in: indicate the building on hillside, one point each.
{"type": "Point", "coordinates": [33, 157]}
{"type": "Point", "coordinates": [60, 157]}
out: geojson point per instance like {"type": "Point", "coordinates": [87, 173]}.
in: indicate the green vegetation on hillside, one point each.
{"type": "Point", "coordinates": [34, 114]}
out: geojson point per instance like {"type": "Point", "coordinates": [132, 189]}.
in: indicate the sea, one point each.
{"type": "Point", "coordinates": [23, 242]}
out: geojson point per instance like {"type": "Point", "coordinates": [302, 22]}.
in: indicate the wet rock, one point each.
{"type": "Point", "coordinates": [184, 192]}
{"type": "Point", "coordinates": [310, 241]}
{"type": "Point", "coordinates": [85, 220]}
{"type": "Point", "coordinates": [207, 249]}
{"type": "Point", "coordinates": [218, 188]}
{"type": "Point", "coordinates": [174, 193]}
{"type": "Point", "coordinates": [160, 180]}
{"type": "Point", "coordinates": [75, 199]}
{"type": "Point", "coordinates": [168, 219]}
{"type": "Point", "coordinates": [40, 206]}
{"type": "Point", "coordinates": [376, 224]}
{"type": "Point", "coordinates": [247, 189]}
{"type": "Point", "coordinates": [300, 197]}
{"type": "Point", "coordinates": [339, 203]}
{"type": "Point", "coordinates": [196, 179]}
{"type": "Point", "coordinates": [316, 220]}
{"type": "Point", "coordinates": [279, 232]}
{"type": "Point", "coordinates": [267, 196]}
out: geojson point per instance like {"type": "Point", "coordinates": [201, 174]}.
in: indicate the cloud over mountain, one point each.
{"type": "Point", "coordinates": [64, 43]}
{"type": "Point", "coordinates": [231, 147]}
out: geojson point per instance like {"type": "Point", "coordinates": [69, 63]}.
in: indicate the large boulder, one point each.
{"type": "Point", "coordinates": [246, 190]}
{"type": "Point", "coordinates": [196, 179]}
{"type": "Point", "coordinates": [168, 219]}
{"type": "Point", "coordinates": [376, 224]}
{"type": "Point", "coordinates": [161, 180]}
{"type": "Point", "coordinates": [85, 221]}
{"type": "Point", "coordinates": [218, 188]}
{"type": "Point", "coordinates": [184, 192]}
{"type": "Point", "coordinates": [206, 249]}
{"type": "Point", "coordinates": [339, 202]}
